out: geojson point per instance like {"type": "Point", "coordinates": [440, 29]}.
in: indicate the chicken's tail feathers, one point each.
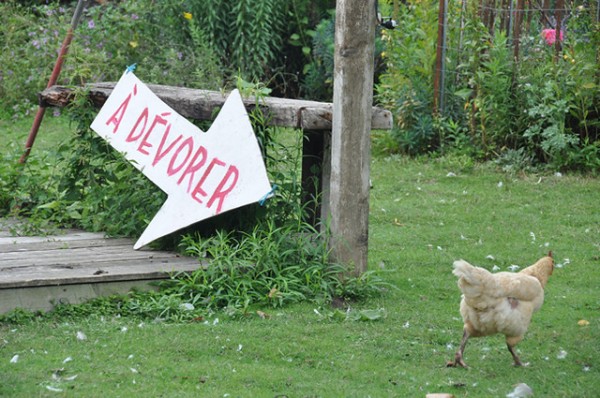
{"type": "Point", "coordinates": [472, 280]}
{"type": "Point", "coordinates": [461, 268]}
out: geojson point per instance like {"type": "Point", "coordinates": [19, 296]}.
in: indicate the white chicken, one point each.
{"type": "Point", "coordinates": [499, 303]}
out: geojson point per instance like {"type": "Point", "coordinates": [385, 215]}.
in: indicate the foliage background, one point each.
{"type": "Point", "coordinates": [421, 213]}
{"type": "Point", "coordinates": [541, 109]}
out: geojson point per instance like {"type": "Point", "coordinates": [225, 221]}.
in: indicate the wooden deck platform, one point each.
{"type": "Point", "coordinates": [75, 266]}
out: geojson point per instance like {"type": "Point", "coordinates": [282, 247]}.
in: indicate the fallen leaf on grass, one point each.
{"type": "Point", "coordinates": [583, 322]}
{"type": "Point", "coordinates": [54, 389]}
{"type": "Point", "coordinates": [15, 359]}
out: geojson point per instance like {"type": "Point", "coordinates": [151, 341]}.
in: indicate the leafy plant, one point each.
{"type": "Point", "coordinates": [271, 265]}
{"type": "Point", "coordinates": [318, 80]}
{"type": "Point", "coordinates": [406, 87]}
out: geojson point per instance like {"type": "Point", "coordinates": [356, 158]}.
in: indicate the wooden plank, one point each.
{"type": "Point", "coordinates": [45, 298]}
{"type": "Point", "coordinates": [106, 271]}
{"type": "Point", "coordinates": [352, 122]}
{"type": "Point", "coordinates": [62, 244]}
{"type": "Point", "coordinates": [36, 272]}
{"type": "Point", "coordinates": [50, 238]}
{"type": "Point", "coordinates": [79, 255]}
{"type": "Point", "coordinates": [202, 104]}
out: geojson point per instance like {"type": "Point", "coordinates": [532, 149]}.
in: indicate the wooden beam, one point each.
{"type": "Point", "coordinates": [350, 142]}
{"type": "Point", "coordinates": [202, 104]}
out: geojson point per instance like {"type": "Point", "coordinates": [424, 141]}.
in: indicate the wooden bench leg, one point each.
{"type": "Point", "coordinates": [316, 169]}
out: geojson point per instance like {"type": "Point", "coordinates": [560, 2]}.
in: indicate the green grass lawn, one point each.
{"type": "Point", "coordinates": [424, 215]}
{"type": "Point", "coordinates": [53, 132]}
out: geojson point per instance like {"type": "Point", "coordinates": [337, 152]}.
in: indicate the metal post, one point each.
{"type": "Point", "coordinates": [39, 116]}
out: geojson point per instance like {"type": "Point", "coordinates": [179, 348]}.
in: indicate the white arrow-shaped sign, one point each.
{"type": "Point", "coordinates": [203, 173]}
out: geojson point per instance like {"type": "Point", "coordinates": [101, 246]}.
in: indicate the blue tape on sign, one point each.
{"type": "Point", "coordinates": [267, 196]}
{"type": "Point", "coordinates": [131, 68]}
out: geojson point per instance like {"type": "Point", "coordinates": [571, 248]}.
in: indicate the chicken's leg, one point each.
{"type": "Point", "coordinates": [458, 358]}
{"type": "Point", "coordinates": [511, 342]}
{"type": "Point", "coordinates": [518, 362]}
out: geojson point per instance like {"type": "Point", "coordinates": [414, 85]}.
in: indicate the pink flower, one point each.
{"type": "Point", "coordinates": [549, 36]}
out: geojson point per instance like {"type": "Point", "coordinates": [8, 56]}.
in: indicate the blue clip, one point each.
{"type": "Point", "coordinates": [267, 195]}
{"type": "Point", "coordinates": [130, 68]}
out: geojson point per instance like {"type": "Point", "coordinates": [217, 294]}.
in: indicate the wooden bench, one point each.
{"type": "Point", "coordinates": [313, 118]}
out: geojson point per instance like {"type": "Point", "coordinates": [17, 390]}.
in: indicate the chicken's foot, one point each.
{"type": "Point", "coordinates": [458, 358]}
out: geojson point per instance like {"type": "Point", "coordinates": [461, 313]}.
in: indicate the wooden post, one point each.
{"type": "Point", "coordinates": [558, 14]}
{"type": "Point", "coordinates": [313, 144]}
{"type": "Point", "coordinates": [438, 76]}
{"type": "Point", "coordinates": [517, 29]}
{"type": "Point", "coordinates": [351, 126]}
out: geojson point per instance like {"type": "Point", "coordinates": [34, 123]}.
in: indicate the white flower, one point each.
{"type": "Point", "coordinates": [15, 359]}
